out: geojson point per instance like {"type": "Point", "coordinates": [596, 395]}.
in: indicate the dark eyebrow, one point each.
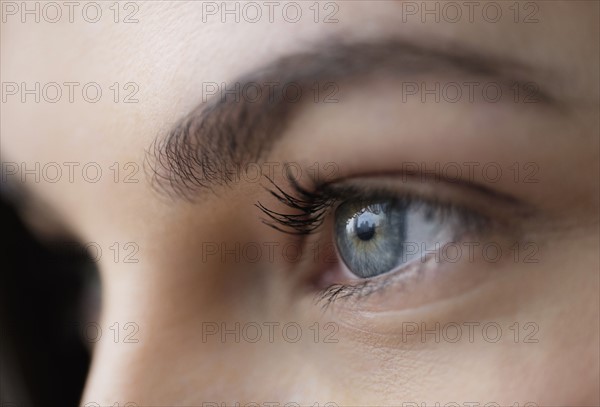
{"type": "Point", "coordinates": [207, 147]}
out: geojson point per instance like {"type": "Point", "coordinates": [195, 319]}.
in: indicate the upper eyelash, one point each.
{"type": "Point", "coordinates": [313, 206]}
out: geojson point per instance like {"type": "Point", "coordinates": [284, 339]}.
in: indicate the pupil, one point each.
{"type": "Point", "coordinates": [365, 225]}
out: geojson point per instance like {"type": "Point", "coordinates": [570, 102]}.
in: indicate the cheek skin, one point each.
{"type": "Point", "coordinates": [552, 340]}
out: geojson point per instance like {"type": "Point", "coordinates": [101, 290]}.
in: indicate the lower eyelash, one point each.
{"type": "Point", "coordinates": [335, 292]}
{"type": "Point", "coordinates": [355, 292]}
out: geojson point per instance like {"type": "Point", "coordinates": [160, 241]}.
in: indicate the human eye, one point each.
{"type": "Point", "coordinates": [393, 231]}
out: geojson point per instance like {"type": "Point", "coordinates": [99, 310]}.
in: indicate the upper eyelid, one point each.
{"type": "Point", "coordinates": [335, 186]}
{"type": "Point", "coordinates": [313, 207]}
{"type": "Point", "coordinates": [330, 185]}
{"type": "Point", "coordinates": [425, 179]}
{"type": "Point", "coordinates": [472, 196]}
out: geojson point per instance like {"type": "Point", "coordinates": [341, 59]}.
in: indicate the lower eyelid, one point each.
{"type": "Point", "coordinates": [399, 276]}
{"type": "Point", "coordinates": [408, 286]}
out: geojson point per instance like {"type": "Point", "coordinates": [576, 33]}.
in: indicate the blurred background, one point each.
{"type": "Point", "coordinates": [49, 290]}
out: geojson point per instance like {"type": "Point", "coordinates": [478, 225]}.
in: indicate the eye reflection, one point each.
{"type": "Point", "coordinates": [366, 222]}
{"type": "Point", "coordinates": [374, 238]}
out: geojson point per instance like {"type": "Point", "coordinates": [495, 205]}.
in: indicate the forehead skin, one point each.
{"type": "Point", "coordinates": [169, 53]}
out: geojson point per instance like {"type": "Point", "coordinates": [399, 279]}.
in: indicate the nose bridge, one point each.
{"type": "Point", "coordinates": [147, 354]}
{"type": "Point", "coordinates": [166, 368]}
{"type": "Point", "coordinates": [148, 344]}
{"type": "Point", "coordinates": [113, 377]}
{"type": "Point", "coordinates": [177, 362]}
{"type": "Point", "coordinates": [130, 352]}
{"type": "Point", "coordinates": [156, 345]}
{"type": "Point", "coordinates": [120, 339]}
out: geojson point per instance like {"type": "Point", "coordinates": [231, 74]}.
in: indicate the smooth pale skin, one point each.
{"type": "Point", "coordinates": [170, 292]}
